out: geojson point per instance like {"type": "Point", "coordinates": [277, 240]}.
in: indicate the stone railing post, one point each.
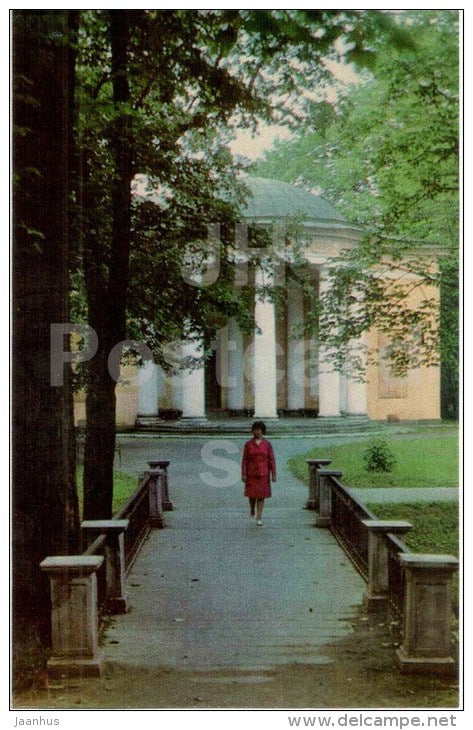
{"type": "Point", "coordinates": [156, 516]}
{"type": "Point", "coordinates": [314, 464]}
{"type": "Point", "coordinates": [163, 464]}
{"type": "Point", "coordinates": [114, 531]}
{"type": "Point", "coordinates": [325, 496]}
{"type": "Point", "coordinates": [426, 643]}
{"type": "Point", "coordinates": [376, 595]}
{"type": "Point", "coordinates": [74, 615]}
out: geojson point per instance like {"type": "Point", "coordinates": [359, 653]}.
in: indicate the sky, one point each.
{"type": "Point", "coordinates": [254, 145]}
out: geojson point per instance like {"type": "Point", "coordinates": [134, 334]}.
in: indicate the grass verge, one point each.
{"type": "Point", "coordinates": [421, 462]}
{"type": "Point", "coordinates": [123, 487]}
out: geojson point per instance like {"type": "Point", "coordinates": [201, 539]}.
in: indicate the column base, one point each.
{"type": "Point", "coordinates": [117, 605]}
{"type": "Point", "coordinates": [372, 603]}
{"type": "Point", "coordinates": [239, 412]}
{"type": "Point", "coordinates": [445, 666]}
{"type": "Point", "coordinates": [311, 504]}
{"type": "Point", "coordinates": [59, 668]}
{"type": "Point", "coordinates": [323, 522]}
{"type": "Point", "coordinates": [167, 506]}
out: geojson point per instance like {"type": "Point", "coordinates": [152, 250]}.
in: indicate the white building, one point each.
{"type": "Point", "coordinates": [275, 372]}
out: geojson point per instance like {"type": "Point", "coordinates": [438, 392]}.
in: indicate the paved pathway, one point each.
{"type": "Point", "coordinates": [212, 590]}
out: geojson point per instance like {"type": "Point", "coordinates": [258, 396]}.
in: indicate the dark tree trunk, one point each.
{"type": "Point", "coordinates": [107, 300]}
{"type": "Point", "coordinates": [45, 512]}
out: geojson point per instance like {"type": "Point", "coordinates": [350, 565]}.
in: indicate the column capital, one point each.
{"type": "Point", "coordinates": [160, 464]}
{"type": "Point", "coordinates": [329, 473]}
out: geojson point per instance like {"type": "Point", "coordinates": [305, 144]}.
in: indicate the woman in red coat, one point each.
{"type": "Point", "coordinates": [258, 467]}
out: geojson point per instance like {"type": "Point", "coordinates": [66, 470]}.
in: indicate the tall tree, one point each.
{"type": "Point", "coordinates": [45, 516]}
{"type": "Point", "coordinates": [157, 90]}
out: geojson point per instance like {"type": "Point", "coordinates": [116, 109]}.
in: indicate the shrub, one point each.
{"type": "Point", "coordinates": [379, 457]}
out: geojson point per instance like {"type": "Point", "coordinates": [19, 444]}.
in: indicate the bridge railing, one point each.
{"type": "Point", "coordinates": [86, 587]}
{"type": "Point", "coordinates": [414, 588]}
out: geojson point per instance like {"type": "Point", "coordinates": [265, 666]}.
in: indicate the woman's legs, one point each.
{"type": "Point", "coordinates": [259, 509]}
{"type": "Point", "coordinates": [252, 506]}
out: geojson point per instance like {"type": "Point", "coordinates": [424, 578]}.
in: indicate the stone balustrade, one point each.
{"type": "Point", "coordinates": [426, 645]}
{"type": "Point", "coordinates": [426, 579]}
{"type": "Point", "coordinates": [114, 554]}
{"type": "Point", "coordinates": [163, 465]}
{"type": "Point", "coordinates": [325, 496]}
{"type": "Point", "coordinates": [314, 464]}
{"type": "Point", "coordinates": [75, 606]}
{"type": "Point", "coordinates": [74, 615]}
{"type": "Point", "coordinates": [156, 516]}
{"type": "Point", "coordinates": [376, 595]}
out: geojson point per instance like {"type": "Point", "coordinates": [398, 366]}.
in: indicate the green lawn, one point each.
{"type": "Point", "coordinates": [421, 462]}
{"type": "Point", "coordinates": [123, 487]}
{"type": "Point", "coordinates": [435, 530]}
{"type": "Point", "coordinates": [435, 525]}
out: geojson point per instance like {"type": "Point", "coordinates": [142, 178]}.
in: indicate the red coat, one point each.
{"type": "Point", "coordinates": [257, 465]}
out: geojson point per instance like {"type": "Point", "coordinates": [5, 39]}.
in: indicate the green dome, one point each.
{"type": "Point", "coordinates": [274, 199]}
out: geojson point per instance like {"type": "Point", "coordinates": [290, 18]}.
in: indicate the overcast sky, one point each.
{"type": "Point", "coordinates": [253, 146]}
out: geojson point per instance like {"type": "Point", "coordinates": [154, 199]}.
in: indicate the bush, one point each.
{"type": "Point", "coordinates": [379, 457]}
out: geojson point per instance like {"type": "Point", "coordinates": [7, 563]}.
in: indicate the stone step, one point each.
{"type": "Point", "coordinates": [341, 424]}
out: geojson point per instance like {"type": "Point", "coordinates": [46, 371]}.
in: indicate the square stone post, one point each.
{"type": "Point", "coordinates": [74, 615]}
{"type": "Point", "coordinates": [156, 517]}
{"type": "Point", "coordinates": [426, 644]}
{"type": "Point", "coordinates": [376, 594]}
{"type": "Point", "coordinates": [114, 531]}
{"type": "Point", "coordinates": [325, 496]}
{"type": "Point", "coordinates": [314, 464]}
{"type": "Point", "coordinates": [163, 464]}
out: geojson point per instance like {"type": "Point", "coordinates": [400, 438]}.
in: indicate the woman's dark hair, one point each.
{"type": "Point", "coordinates": [259, 424]}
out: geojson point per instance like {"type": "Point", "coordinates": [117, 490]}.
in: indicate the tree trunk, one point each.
{"type": "Point", "coordinates": [107, 302]}
{"type": "Point", "coordinates": [45, 512]}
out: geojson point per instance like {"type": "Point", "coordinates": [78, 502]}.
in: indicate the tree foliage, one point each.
{"type": "Point", "coordinates": [386, 154]}
{"type": "Point", "coordinates": [159, 93]}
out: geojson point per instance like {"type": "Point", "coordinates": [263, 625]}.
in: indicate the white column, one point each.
{"type": "Point", "coordinates": [343, 392]}
{"type": "Point", "coordinates": [148, 388]}
{"type": "Point", "coordinates": [264, 359]}
{"type": "Point", "coordinates": [357, 397]}
{"type": "Point", "coordinates": [329, 379]}
{"type": "Point", "coordinates": [295, 350]}
{"type": "Point", "coordinates": [235, 368]}
{"type": "Point", "coordinates": [189, 385]}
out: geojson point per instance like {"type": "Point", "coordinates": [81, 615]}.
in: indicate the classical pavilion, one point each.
{"type": "Point", "coordinates": [275, 372]}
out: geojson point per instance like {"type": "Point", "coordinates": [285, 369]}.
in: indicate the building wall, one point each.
{"type": "Point", "coordinates": [127, 399]}
{"type": "Point", "coordinates": [415, 396]}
